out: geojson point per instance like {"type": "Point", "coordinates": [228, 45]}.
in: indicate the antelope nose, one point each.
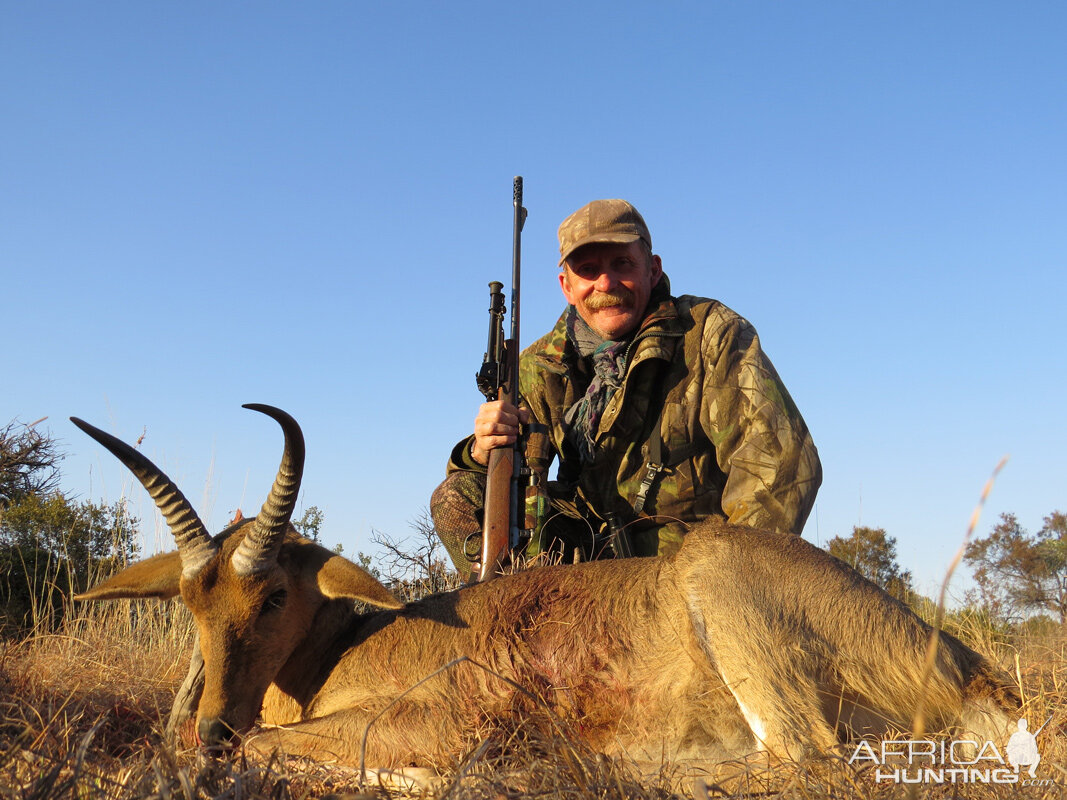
{"type": "Point", "coordinates": [215, 732]}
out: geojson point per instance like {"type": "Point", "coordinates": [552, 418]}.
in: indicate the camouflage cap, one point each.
{"type": "Point", "coordinates": [614, 221]}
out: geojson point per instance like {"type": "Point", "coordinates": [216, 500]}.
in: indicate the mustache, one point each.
{"type": "Point", "coordinates": [619, 296]}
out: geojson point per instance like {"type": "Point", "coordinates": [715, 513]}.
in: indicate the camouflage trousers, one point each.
{"type": "Point", "coordinates": [564, 533]}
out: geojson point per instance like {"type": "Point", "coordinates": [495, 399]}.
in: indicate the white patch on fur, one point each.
{"type": "Point", "coordinates": [755, 724]}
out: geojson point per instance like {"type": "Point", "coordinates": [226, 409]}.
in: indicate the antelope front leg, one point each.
{"type": "Point", "coordinates": [187, 700]}
{"type": "Point", "coordinates": [406, 734]}
{"type": "Point", "coordinates": [298, 740]}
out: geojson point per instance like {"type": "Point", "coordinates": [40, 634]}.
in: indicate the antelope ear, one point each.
{"type": "Point", "coordinates": [157, 576]}
{"type": "Point", "coordinates": [339, 577]}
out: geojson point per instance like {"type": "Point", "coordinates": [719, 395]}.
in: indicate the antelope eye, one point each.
{"type": "Point", "coordinates": [275, 601]}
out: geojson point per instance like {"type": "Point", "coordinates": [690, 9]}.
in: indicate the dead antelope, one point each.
{"type": "Point", "coordinates": [743, 641]}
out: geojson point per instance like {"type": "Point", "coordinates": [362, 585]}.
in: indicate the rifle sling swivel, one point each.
{"type": "Point", "coordinates": [652, 469]}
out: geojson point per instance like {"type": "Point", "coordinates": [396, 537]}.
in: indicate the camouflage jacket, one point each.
{"type": "Point", "coordinates": [732, 442]}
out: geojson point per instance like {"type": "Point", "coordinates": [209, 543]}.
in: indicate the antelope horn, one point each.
{"type": "Point", "coordinates": [194, 542]}
{"type": "Point", "coordinates": [259, 549]}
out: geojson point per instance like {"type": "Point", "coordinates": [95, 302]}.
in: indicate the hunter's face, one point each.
{"type": "Point", "coordinates": [609, 285]}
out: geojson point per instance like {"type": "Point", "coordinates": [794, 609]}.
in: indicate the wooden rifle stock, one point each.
{"type": "Point", "coordinates": [499, 497]}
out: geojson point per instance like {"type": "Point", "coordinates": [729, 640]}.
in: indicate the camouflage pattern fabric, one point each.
{"type": "Point", "coordinates": [734, 444]}
{"type": "Point", "coordinates": [456, 508]}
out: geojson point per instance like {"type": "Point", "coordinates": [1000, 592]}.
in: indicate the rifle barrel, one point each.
{"type": "Point", "coordinates": [516, 259]}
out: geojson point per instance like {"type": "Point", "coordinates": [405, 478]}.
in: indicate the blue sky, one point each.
{"type": "Point", "coordinates": [207, 204]}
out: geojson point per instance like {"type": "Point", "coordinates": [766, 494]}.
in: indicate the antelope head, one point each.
{"type": "Point", "coordinates": [254, 590]}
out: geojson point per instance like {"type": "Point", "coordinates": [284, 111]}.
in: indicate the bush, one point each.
{"type": "Point", "coordinates": [33, 584]}
{"type": "Point", "coordinates": [51, 547]}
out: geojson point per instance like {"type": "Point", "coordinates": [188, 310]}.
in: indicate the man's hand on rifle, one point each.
{"type": "Point", "coordinates": [497, 425]}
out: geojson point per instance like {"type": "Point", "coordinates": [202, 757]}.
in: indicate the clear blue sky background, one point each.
{"type": "Point", "coordinates": [207, 204]}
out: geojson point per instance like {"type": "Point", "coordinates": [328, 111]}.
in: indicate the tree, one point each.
{"type": "Point", "coordinates": [1017, 572]}
{"type": "Point", "coordinates": [51, 546]}
{"type": "Point", "coordinates": [310, 524]}
{"type": "Point", "coordinates": [873, 555]}
{"type": "Point", "coordinates": [415, 567]}
{"type": "Point", "coordinates": [29, 463]}
{"type": "Point", "coordinates": [84, 533]}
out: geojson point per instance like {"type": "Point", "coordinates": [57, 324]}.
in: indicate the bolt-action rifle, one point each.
{"type": "Point", "coordinates": [504, 524]}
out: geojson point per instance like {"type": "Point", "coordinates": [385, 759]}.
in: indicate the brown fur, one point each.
{"type": "Point", "coordinates": [742, 641]}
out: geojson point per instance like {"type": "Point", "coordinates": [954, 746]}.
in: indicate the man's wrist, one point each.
{"type": "Point", "coordinates": [462, 458]}
{"type": "Point", "coordinates": [472, 456]}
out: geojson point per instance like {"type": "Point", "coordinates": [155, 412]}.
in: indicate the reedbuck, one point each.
{"type": "Point", "coordinates": [743, 641]}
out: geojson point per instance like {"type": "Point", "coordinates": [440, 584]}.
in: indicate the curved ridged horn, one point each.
{"type": "Point", "coordinates": [259, 549]}
{"type": "Point", "coordinates": [194, 542]}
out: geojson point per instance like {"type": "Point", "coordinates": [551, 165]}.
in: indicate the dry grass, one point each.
{"type": "Point", "coordinates": [82, 713]}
